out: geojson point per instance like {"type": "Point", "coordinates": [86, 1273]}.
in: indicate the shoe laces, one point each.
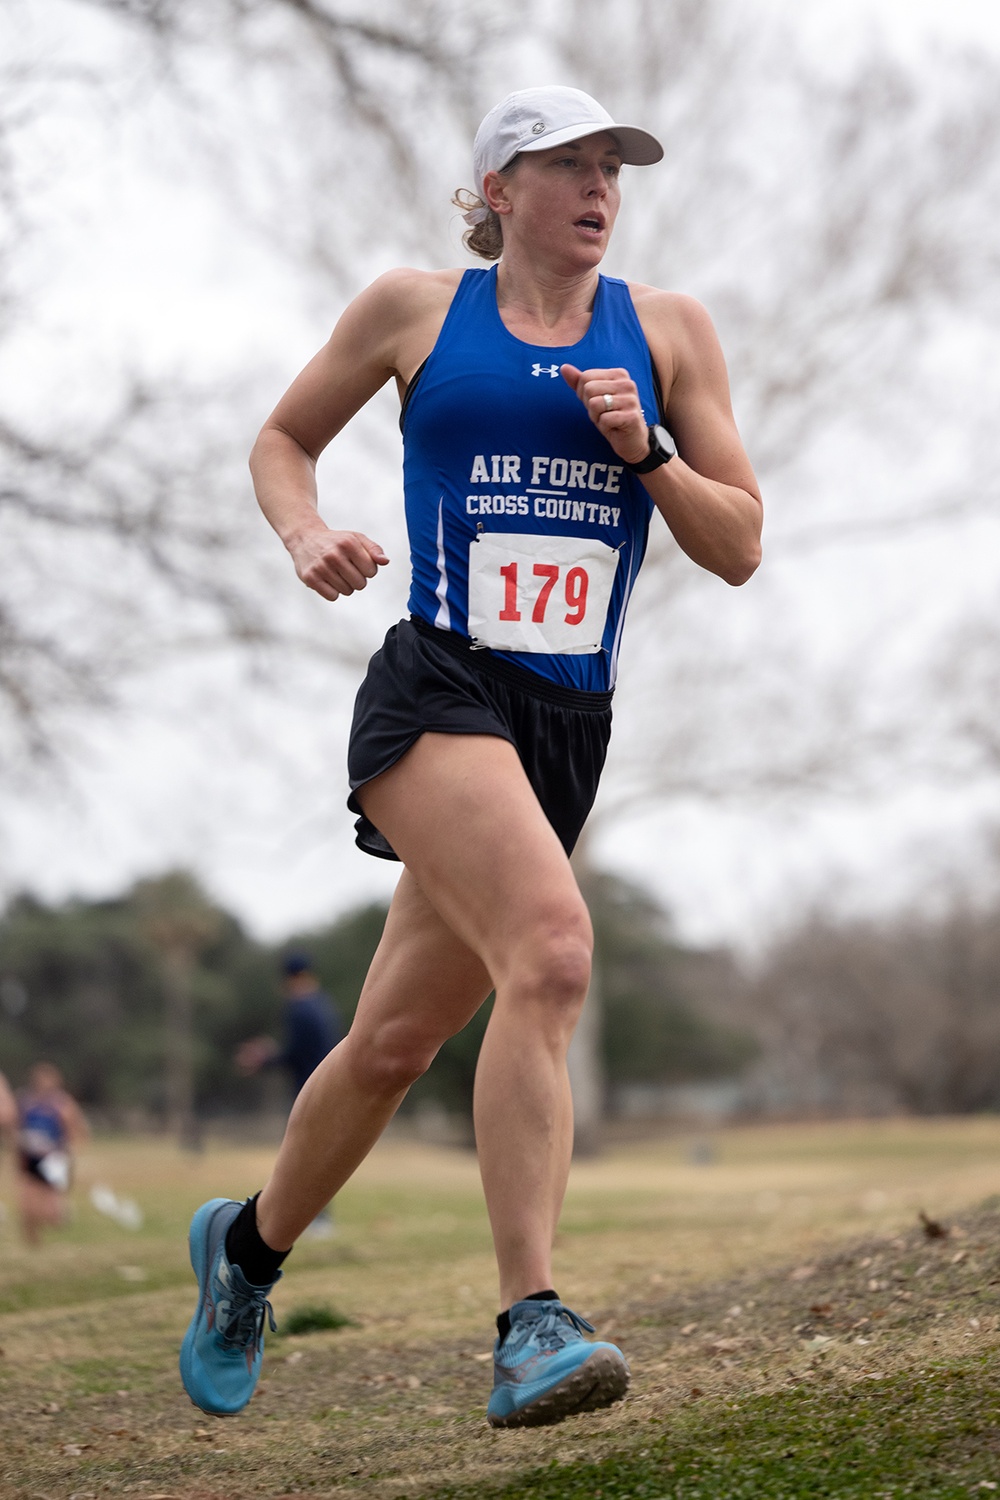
{"type": "Point", "coordinates": [553, 1325]}
{"type": "Point", "coordinates": [246, 1307]}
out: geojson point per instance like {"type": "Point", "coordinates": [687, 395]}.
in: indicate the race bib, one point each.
{"type": "Point", "coordinates": [533, 592]}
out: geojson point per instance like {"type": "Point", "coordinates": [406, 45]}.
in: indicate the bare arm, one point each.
{"type": "Point", "coordinates": [8, 1108]}
{"type": "Point", "coordinates": [707, 495]}
{"type": "Point", "coordinates": [74, 1120]}
{"type": "Point", "coordinates": [381, 334]}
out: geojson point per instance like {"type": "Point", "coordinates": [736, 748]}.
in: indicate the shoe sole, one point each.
{"type": "Point", "coordinates": [601, 1381]}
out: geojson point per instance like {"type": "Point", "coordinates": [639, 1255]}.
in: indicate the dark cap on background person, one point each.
{"type": "Point", "coordinates": [297, 961]}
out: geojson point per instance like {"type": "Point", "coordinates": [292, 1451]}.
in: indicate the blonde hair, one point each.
{"type": "Point", "coordinates": [484, 239]}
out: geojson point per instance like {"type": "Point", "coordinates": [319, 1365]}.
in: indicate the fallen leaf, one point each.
{"type": "Point", "coordinates": [958, 1257]}
{"type": "Point", "coordinates": [802, 1273]}
{"type": "Point", "coordinates": [482, 1358]}
{"type": "Point", "coordinates": [932, 1229]}
{"type": "Point", "coordinates": [413, 1381]}
{"type": "Point", "coordinates": [822, 1309]}
{"type": "Point", "coordinates": [687, 1330]}
{"type": "Point", "coordinates": [290, 1359]}
{"type": "Point", "coordinates": [696, 1390]}
{"type": "Point", "coordinates": [73, 1450]}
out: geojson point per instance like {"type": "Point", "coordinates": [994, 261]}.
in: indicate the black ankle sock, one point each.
{"type": "Point", "coordinates": [245, 1248]}
{"type": "Point", "coordinates": [503, 1319]}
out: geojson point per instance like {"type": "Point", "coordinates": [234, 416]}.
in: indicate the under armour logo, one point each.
{"type": "Point", "coordinates": [552, 370]}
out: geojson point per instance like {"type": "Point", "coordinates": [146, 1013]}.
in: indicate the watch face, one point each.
{"type": "Point", "coordinates": [661, 439]}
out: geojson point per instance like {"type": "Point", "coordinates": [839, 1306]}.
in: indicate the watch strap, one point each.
{"type": "Point", "coordinates": [654, 459]}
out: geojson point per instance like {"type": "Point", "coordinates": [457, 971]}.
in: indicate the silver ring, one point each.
{"type": "Point", "coordinates": [609, 402]}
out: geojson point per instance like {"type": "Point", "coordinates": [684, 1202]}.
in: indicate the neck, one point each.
{"type": "Point", "coordinates": [554, 305]}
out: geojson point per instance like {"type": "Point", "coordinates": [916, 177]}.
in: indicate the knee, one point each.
{"type": "Point", "coordinates": [552, 966]}
{"type": "Point", "coordinates": [387, 1061]}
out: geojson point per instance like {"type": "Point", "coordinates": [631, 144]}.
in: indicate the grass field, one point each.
{"type": "Point", "coordinates": [792, 1330]}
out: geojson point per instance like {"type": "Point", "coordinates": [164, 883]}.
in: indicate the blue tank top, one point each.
{"type": "Point", "coordinates": [495, 442]}
{"type": "Point", "coordinates": [41, 1121]}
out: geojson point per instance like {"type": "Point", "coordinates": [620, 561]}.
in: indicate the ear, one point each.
{"type": "Point", "coordinates": [495, 193]}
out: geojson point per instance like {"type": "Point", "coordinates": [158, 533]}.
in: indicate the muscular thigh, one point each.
{"type": "Point", "coordinates": [462, 816]}
{"type": "Point", "coordinates": [424, 983]}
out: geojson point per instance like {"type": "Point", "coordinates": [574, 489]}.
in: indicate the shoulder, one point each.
{"type": "Point", "coordinates": [393, 323]}
{"type": "Point", "coordinates": [671, 312]}
{"type": "Point", "coordinates": [681, 336]}
{"type": "Point", "coordinates": [405, 292]}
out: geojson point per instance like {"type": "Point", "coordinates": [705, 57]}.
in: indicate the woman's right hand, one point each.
{"type": "Point", "coordinates": [336, 562]}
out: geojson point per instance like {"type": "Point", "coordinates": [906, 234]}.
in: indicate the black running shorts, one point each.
{"type": "Point", "coordinates": [432, 681]}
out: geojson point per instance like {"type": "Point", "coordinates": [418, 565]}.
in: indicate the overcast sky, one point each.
{"type": "Point", "coordinates": [129, 256]}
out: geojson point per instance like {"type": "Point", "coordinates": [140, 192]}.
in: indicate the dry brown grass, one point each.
{"type": "Point", "coordinates": [745, 1273]}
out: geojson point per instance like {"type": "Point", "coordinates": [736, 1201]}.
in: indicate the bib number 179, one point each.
{"type": "Point", "coordinates": [574, 594]}
{"type": "Point", "coordinates": [531, 592]}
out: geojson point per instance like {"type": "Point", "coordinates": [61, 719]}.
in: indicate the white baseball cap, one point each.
{"type": "Point", "coordinates": [536, 119]}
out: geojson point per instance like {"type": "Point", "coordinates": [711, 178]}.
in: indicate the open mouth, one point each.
{"type": "Point", "coordinates": [591, 222]}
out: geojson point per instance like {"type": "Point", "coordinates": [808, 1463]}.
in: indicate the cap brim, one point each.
{"type": "Point", "coordinates": [639, 148]}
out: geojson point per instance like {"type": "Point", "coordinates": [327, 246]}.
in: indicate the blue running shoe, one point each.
{"type": "Point", "coordinates": [223, 1348]}
{"type": "Point", "coordinates": [545, 1370]}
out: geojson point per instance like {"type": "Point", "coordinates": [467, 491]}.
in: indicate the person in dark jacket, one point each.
{"type": "Point", "coordinates": [311, 1023]}
{"type": "Point", "coordinates": [312, 1028]}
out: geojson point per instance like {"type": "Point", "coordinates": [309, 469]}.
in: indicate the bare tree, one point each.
{"type": "Point", "coordinates": [836, 224]}
{"type": "Point", "coordinates": [125, 527]}
{"type": "Point", "coordinates": [877, 1017]}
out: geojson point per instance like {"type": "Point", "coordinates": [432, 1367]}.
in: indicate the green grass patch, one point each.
{"type": "Point", "coordinates": [934, 1433]}
{"type": "Point", "coordinates": [314, 1317]}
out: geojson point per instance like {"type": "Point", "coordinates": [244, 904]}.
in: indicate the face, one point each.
{"type": "Point", "coordinates": [45, 1078]}
{"type": "Point", "coordinates": [561, 202]}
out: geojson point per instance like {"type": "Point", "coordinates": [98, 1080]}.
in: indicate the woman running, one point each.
{"type": "Point", "coordinates": [50, 1125]}
{"type": "Point", "coordinates": [534, 396]}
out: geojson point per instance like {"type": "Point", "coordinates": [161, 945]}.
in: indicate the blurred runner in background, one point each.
{"type": "Point", "coordinates": [312, 1028]}
{"type": "Point", "coordinates": [8, 1108]}
{"type": "Point", "coordinates": [8, 1126]}
{"type": "Point", "coordinates": [50, 1125]}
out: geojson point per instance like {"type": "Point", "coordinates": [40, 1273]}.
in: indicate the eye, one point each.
{"type": "Point", "coordinates": [612, 168]}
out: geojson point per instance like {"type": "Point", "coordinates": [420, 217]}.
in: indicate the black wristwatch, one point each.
{"type": "Point", "coordinates": [661, 450]}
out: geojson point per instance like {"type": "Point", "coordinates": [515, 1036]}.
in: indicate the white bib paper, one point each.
{"type": "Point", "coordinates": [536, 592]}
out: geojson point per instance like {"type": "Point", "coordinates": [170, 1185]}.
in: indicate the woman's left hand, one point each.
{"type": "Point", "coordinates": [613, 405]}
